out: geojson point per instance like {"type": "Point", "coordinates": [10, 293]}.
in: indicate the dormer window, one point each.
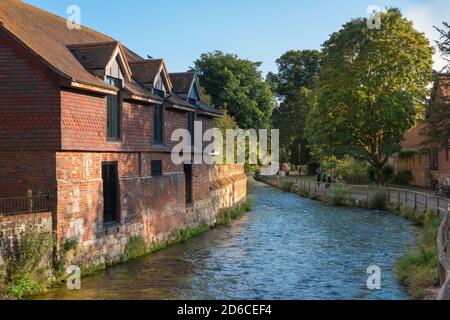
{"type": "Point", "coordinates": [159, 88]}
{"type": "Point", "coordinates": [193, 96]}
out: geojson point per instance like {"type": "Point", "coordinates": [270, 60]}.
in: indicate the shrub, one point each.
{"type": "Point", "coordinates": [349, 169]}
{"type": "Point", "coordinates": [417, 269]}
{"type": "Point", "coordinates": [402, 178]}
{"type": "Point", "coordinates": [68, 246]}
{"type": "Point", "coordinates": [407, 154]}
{"type": "Point", "coordinates": [340, 195]}
{"type": "Point", "coordinates": [388, 172]}
{"type": "Point", "coordinates": [304, 193]}
{"type": "Point", "coordinates": [378, 200]}
{"type": "Point", "coordinates": [26, 271]}
{"type": "Point", "coordinates": [287, 186]}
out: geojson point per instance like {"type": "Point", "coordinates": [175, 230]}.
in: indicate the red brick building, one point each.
{"type": "Point", "coordinates": [88, 122]}
{"type": "Point", "coordinates": [427, 166]}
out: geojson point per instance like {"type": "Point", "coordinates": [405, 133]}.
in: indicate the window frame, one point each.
{"type": "Point", "coordinates": [159, 125]}
{"type": "Point", "coordinates": [158, 173]}
{"type": "Point", "coordinates": [118, 83]}
{"type": "Point", "coordinates": [117, 217]}
{"type": "Point", "coordinates": [191, 125]}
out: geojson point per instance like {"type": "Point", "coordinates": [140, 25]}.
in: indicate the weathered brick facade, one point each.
{"type": "Point", "coordinates": [53, 141]}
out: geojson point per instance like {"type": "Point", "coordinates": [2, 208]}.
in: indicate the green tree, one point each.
{"type": "Point", "coordinates": [372, 85]}
{"type": "Point", "coordinates": [297, 73]}
{"type": "Point", "coordinates": [238, 84]}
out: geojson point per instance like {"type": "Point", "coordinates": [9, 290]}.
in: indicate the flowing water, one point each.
{"type": "Point", "coordinates": [287, 248]}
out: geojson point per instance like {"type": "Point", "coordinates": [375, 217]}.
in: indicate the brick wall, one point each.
{"type": "Point", "coordinates": [83, 124]}
{"type": "Point", "coordinates": [22, 171]}
{"type": "Point", "coordinates": [152, 207]}
{"type": "Point", "coordinates": [29, 101]}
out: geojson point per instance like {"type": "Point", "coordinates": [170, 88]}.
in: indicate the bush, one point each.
{"type": "Point", "coordinates": [340, 195]}
{"type": "Point", "coordinates": [417, 269]}
{"type": "Point", "coordinates": [378, 200]}
{"type": "Point", "coordinates": [388, 172]}
{"type": "Point", "coordinates": [26, 271]}
{"type": "Point", "coordinates": [403, 178]}
{"type": "Point", "coordinates": [407, 154]}
{"type": "Point", "coordinates": [349, 169]}
{"type": "Point", "coordinates": [287, 186]}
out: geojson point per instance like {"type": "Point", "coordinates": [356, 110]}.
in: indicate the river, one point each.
{"type": "Point", "coordinates": [287, 248]}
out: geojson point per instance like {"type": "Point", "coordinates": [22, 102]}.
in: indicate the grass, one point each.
{"type": "Point", "coordinates": [229, 215]}
{"type": "Point", "coordinates": [417, 270]}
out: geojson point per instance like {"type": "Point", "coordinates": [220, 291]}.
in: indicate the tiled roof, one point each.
{"type": "Point", "coordinates": [94, 56]}
{"type": "Point", "coordinates": [70, 53]}
{"type": "Point", "coordinates": [182, 81]}
{"type": "Point", "coordinates": [145, 71]}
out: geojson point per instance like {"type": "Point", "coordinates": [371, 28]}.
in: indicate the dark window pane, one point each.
{"type": "Point", "coordinates": [191, 121]}
{"type": "Point", "coordinates": [159, 124]}
{"type": "Point", "coordinates": [110, 178]}
{"type": "Point", "coordinates": [113, 117]}
{"type": "Point", "coordinates": [113, 112]}
{"type": "Point", "coordinates": [156, 168]}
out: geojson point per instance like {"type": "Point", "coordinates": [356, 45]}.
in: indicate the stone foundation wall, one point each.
{"type": "Point", "coordinates": [12, 228]}
{"type": "Point", "coordinates": [153, 208]}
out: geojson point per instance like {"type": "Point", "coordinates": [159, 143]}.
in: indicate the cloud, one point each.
{"type": "Point", "coordinates": [425, 17]}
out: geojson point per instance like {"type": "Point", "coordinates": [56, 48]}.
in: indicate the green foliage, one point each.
{"type": "Point", "coordinates": [287, 186]}
{"type": "Point", "coordinates": [340, 196]}
{"type": "Point", "coordinates": [26, 285]}
{"type": "Point", "coordinates": [378, 199]}
{"type": "Point", "coordinates": [25, 273]}
{"type": "Point", "coordinates": [67, 246]}
{"type": "Point", "coordinates": [189, 233]}
{"type": "Point", "coordinates": [297, 73]}
{"type": "Point", "coordinates": [238, 85]}
{"type": "Point", "coordinates": [348, 169]}
{"type": "Point", "coordinates": [229, 215]}
{"type": "Point", "coordinates": [403, 178]}
{"type": "Point", "coordinates": [406, 154]}
{"type": "Point", "coordinates": [371, 86]}
{"type": "Point", "coordinates": [136, 247]}
{"type": "Point", "coordinates": [387, 172]}
{"type": "Point", "coordinates": [417, 269]}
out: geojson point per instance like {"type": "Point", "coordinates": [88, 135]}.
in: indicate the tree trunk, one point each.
{"type": "Point", "coordinates": [379, 175]}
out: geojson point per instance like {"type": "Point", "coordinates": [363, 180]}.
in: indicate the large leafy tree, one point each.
{"type": "Point", "coordinates": [297, 73]}
{"type": "Point", "coordinates": [237, 84]}
{"type": "Point", "coordinates": [371, 86]}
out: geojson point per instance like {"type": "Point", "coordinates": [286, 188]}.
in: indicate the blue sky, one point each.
{"type": "Point", "coordinates": [260, 30]}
